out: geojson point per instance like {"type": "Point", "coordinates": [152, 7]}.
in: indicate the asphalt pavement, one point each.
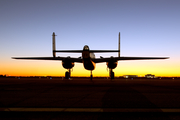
{"type": "Point", "coordinates": [80, 98]}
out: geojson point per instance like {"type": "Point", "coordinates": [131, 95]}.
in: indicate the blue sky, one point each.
{"type": "Point", "coordinates": [148, 28]}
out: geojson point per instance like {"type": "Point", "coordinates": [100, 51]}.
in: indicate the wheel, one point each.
{"type": "Point", "coordinates": [112, 75]}
{"type": "Point", "coordinates": [91, 77]}
{"type": "Point", "coordinates": [67, 75]}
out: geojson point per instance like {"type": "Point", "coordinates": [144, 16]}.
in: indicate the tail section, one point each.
{"type": "Point", "coordinates": [119, 46]}
{"type": "Point", "coordinates": [54, 44]}
{"type": "Point", "coordinates": [80, 51]}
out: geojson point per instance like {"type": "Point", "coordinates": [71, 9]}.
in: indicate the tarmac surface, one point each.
{"type": "Point", "coordinates": [80, 98]}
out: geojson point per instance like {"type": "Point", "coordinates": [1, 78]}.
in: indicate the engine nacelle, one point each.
{"type": "Point", "coordinates": [67, 64]}
{"type": "Point", "coordinates": [112, 64]}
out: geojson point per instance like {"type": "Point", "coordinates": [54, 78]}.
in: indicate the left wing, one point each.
{"type": "Point", "coordinates": [98, 60]}
{"type": "Point", "coordinates": [50, 58]}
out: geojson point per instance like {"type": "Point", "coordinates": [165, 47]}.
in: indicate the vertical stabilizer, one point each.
{"type": "Point", "coordinates": [119, 46]}
{"type": "Point", "coordinates": [53, 45]}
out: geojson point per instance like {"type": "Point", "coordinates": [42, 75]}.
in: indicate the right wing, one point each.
{"type": "Point", "coordinates": [99, 60]}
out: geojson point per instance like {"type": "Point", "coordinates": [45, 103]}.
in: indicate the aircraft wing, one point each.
{"type": "Point", "coordinates": [50, 58]}
{"type": "Point", "coordinates": [98, 60]}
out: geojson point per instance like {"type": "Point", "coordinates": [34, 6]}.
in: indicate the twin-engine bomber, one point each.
{"type": "Point", "coordinates": [88, 58]}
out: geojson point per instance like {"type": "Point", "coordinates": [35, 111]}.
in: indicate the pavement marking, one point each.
{"type": "Point", "coordinates": [87, 110]}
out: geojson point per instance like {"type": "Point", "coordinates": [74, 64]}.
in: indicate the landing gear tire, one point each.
{"type": "Point", "coordinates": [67, 75]}
{"type": "Point", "coordinates": [112, 75]}
{"type": "Point", "coordinates": [91, 77]}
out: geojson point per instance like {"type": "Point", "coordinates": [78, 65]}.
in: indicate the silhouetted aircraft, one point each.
{"type": "Point", "coordinates": [88, 58]}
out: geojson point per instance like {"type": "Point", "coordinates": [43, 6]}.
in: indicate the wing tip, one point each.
{"type": "Point", "coordinates": [13, 58]}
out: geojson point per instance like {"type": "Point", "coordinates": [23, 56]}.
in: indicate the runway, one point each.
{"type": "Point", "coordinates": [88, 110]}
{"type": "Point", "coordinates": [55, 98]}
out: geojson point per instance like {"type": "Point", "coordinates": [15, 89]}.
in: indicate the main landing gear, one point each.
{"type": "Point", "coordinates": [68, 74]}
{"type": "Point", "coordinates": [111, 74]}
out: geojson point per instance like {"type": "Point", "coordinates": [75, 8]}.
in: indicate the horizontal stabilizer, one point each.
{"type": "Point", "coordinates": [80, 51]}
{"type": "Point", "coordinates": [72, 51]}
{"type": "Point", "coordinates": [103, 51]}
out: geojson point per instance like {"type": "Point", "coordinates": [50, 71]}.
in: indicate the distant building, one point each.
{"type": "Point", "coordinates": [150, 76]}
{"type": "Point", "coordinates": [130, 76]}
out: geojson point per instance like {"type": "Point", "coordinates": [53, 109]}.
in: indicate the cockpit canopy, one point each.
{"type": "Point", "coordinates": [86, 48]}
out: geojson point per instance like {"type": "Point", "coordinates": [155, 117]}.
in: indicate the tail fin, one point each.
{"type": "Point", "coordinates": [53, 44]}
{"type": "Point", "coordinates": [119, 46]}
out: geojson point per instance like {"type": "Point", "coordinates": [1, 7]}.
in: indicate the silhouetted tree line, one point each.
{"type": "Point", "coordinates": [2, 75]}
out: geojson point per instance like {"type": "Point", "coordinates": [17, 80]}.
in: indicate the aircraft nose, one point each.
{"type": "Point", "coordinates": [86, 47]}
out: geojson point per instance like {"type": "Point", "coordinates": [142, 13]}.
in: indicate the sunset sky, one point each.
{"type": "Point", "coordinates": [149, 28]}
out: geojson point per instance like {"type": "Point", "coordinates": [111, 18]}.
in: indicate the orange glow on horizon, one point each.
{"type": "Point", "coordinates": [54, 68]}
